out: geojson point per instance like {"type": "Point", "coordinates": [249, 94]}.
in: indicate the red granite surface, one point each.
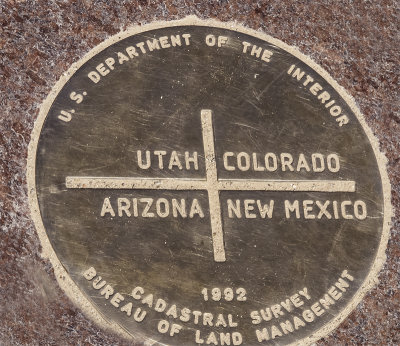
{"type": "Point", "coordinates": [357, 42]}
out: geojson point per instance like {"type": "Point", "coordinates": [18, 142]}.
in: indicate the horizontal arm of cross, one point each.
{"type": "Point", "coordinates": [129, 183]}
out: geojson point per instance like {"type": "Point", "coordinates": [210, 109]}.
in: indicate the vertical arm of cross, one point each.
{"type": "Point", "coordinates": [212, 186]}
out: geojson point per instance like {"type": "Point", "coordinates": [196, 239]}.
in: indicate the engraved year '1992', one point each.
{"type": "Point", "coordinates": [228, 294]}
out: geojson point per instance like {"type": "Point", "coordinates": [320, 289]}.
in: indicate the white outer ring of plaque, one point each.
{"type": "Point", "coordinates": [63, 278]}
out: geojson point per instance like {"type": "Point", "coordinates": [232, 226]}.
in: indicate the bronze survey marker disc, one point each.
{"type": "Point", "coordinates": [199, 183]}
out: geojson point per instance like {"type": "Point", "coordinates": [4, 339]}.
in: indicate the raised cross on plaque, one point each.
{"type": "Point", "coordinates": [211, 183]}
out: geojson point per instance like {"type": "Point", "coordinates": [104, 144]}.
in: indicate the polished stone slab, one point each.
{"type": "Point", "coordinates": [362, 63]}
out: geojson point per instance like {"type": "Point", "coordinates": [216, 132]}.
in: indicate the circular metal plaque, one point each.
{"type": "Point", "coordinates": [200, 183]}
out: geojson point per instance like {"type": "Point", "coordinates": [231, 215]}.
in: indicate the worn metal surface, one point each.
{"type": "Point", "coordinates": [43, 298]}
{"type": "Point", "coordinates": [187, 161]}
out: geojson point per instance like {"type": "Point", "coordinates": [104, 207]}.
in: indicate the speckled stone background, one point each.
{"type": "Point", "coordinates": [357, 42]}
